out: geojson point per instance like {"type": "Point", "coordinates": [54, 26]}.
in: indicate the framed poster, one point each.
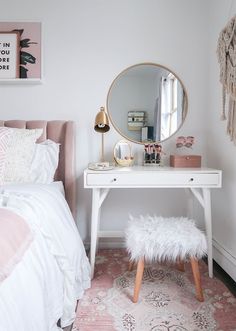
{"type": "Point", "coordinates": [9, 54]}
{"type": "Point", "coordinates": [30, 65]}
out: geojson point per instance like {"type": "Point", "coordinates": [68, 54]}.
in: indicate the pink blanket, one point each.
{"type": "Point", "coordinates": [15, 237]}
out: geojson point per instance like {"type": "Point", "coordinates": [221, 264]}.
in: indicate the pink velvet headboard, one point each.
{"type": "Point", "coordinates": [62, 132]}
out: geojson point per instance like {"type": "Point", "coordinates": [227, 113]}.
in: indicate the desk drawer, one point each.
{"type": "Point", "coordinates": [154, 179]}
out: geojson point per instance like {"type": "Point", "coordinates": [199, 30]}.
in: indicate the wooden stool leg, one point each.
{"type": "Point", "coordinates": [131, 265]}
{"type": "Point", "coordinates": [197, 279]}
{"type": "Point", "coordinates": [180, 265]}
{"type": "Point", "coordinates": [138, 279]}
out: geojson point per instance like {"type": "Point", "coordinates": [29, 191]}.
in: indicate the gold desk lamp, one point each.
{"type": "Point", "coordinates": [101, 125]}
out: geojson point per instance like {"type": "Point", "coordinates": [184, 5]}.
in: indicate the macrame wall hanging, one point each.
{"type": "Point", "coordinates": [226, 52]}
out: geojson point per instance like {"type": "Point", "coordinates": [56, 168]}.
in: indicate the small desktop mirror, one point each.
{"type": "Point", "coordinates": [123, 154]}
{"type": "Point", "coordinates": [147, 103]}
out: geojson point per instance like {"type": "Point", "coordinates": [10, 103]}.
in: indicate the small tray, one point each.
{"type": "Point", "coordinates": [100, 166]}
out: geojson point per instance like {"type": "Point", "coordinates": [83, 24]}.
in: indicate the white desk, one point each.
{"type": "Point", "coordinates": [198, 181]}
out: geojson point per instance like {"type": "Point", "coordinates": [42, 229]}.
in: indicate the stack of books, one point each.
{"type": "Point", "coordinates": [147, 134]}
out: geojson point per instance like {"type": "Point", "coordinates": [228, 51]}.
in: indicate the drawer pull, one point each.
{"type": "Point", "coordinates": [191, 180]}
{"type": "Point", "coordinates": [114, 180]}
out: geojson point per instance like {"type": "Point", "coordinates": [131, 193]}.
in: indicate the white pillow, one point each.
{"type": "Point", "coordinates": [19, 154]}
{"type": "Point", "coordinates": [5, 135]}
{"type": "Point", "coordinates": [45, 162]}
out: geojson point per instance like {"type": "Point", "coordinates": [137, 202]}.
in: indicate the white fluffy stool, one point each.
{"type": "Point", "coordinates": [174, 239]}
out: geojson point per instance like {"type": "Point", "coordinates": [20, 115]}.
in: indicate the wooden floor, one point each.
{"type": "Point", "coordinates": [225, 278]}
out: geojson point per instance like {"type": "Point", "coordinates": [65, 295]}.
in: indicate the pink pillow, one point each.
{"type": "Point", "coordinates": [5, 135]}
{"type": "Point", "coordinates": [15, 237]}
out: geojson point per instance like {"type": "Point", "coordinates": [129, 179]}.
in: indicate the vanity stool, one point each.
{"type": "Point", "coordinates": [174, 239]}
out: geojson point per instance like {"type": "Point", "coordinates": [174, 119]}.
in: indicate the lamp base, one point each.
{"type": "Point", "coordinates": [102, 166]}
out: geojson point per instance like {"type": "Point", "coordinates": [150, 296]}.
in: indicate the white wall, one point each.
{"type": "Point", "coordinates": [86, 43]}
{"type": "Point", "coordinates": [221, 152]}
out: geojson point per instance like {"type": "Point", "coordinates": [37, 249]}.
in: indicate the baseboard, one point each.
{"type": "Point", "coordinates": [225, 259]}
{"type": "Point", "coordinates": [108, 243]}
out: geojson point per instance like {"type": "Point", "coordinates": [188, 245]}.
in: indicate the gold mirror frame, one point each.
{"type": "Point", "coordinates": [184, 108]}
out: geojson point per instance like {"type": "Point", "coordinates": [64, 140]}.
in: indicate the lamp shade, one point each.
{"type": "Point", "coordinates": [101, 121]}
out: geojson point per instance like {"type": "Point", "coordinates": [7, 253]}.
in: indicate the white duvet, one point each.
{"type": "Point", "coordinates": [54, 272]}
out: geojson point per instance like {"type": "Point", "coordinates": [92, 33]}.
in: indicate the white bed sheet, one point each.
{"type": "Point", "coordinates": [54, 271]}
{"type": "Point", "coordinates": [59, 185]}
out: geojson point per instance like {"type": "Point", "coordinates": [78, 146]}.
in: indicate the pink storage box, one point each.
{"type": "Point", "coordinates": [185, 161]}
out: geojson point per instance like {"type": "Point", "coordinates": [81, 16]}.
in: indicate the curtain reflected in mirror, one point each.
{"type": "Point", "coordinates": [147, 103]}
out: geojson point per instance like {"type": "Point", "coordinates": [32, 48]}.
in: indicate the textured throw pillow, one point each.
{"type": "Point", "coordinates": [45, 162]}
{"type": "Point", "coordinates": [5, 134]}
{"type": "Point", "coordinates": [19, 154]}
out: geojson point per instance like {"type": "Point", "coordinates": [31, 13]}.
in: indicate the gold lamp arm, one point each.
{"type": "Point", "coordinates": [102, 152]}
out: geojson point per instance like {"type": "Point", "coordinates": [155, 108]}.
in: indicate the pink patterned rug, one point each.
{"type": "Point", "coordinates": [166, 301]}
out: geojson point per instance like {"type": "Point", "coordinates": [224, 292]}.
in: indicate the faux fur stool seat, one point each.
{"type": "Point", "coordinates": [175, 239]}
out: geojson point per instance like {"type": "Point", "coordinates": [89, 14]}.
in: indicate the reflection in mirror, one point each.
{"type": "Point", "coordinates": [147, 103]}
{"type": "Point", "coordinates": [122, 153]}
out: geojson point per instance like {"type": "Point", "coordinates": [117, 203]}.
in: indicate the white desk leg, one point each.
{"type": "Point", "coordinates": [94, 227]}
{"type": "Point", "coordinates": [208, 224]}
{"type": "Point", "coordinates": [98, 227]}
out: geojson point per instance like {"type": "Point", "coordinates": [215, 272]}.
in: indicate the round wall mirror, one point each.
{"type": "Point", "coordinates": [146, 103]}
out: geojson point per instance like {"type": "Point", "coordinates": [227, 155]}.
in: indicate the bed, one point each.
{"type": "Point", "coordinates": [50, 272]}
